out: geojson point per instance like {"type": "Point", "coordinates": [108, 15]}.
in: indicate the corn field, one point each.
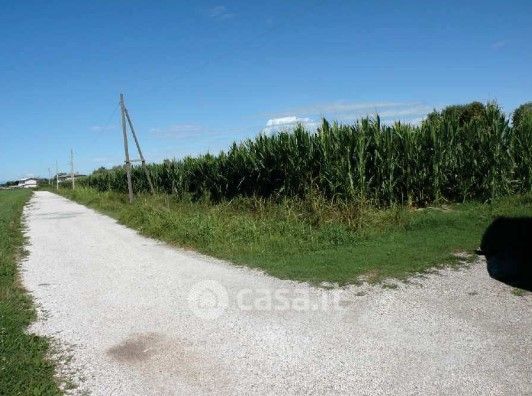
{"type": "Point", "coordinates": [443, 159]}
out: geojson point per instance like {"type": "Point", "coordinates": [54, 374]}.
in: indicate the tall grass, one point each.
{"type": "Point", "coordinates": [444, 158]}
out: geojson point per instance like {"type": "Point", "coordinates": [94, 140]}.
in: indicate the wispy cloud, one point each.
{"type": "Point", "coordinates": [350, 111]}
{"type": "Point", "coordinates": [346, 107]}
{"type": "Point", "coordinates": [220, 12]}
{"type": "Point", "coordinates": [99, 128]}
{"type": "Point", "coordinates": [499, 44]}
{"type": "Point", "coordinates": [179, 131]}
{"type": "Point", "coordinates": [414, 110]}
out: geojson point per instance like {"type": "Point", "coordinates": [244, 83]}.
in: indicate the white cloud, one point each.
{"type": "Point", "coordinates": [351, 111]}
{"type": "Point", "coordinates": [220, 12]}
{"type": "Point", "coordinates": [286, 123]}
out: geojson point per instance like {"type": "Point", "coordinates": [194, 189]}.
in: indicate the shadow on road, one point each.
{"type": "Point", "coordinates": [507, 245]}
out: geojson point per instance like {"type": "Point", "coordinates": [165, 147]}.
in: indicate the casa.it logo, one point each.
{"type": "Point", "coordinates": [208, 299]}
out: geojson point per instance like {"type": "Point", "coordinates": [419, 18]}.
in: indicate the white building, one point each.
{"type": "Point", "coordinates": [27, 183]}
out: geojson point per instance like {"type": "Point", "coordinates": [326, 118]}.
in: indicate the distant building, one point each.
{"type": "Point", "coordinates": [27, 183]}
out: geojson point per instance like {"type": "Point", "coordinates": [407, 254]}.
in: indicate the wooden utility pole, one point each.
{"type": "Point", "coordinates": [142, 160]}
{"type": "Point", "coordinates": [72, 167]}
{"type": "Point", "coordinates": [49, 176]}
{"type": "Point", "coordinates": [126, 117]}
{"type": "Point", "coordinates": [126, 150]}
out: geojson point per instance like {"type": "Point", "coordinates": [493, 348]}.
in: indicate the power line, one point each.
{"type": "Point", "coordinates": [111, 116]}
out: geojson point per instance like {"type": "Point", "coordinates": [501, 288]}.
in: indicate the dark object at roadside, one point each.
{"type": "Point", "coordinates": [507, 245]}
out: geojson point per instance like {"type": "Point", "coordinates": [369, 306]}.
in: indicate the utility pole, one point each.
{"type": "Point", "coordinates": [49, 176]}
{"type": "Point", "coordinates": [142, 160]}
{"type": "Point", "coordinates": [72, 167]}
{"type": "Point", "coordinates": [126, 117]}
{"type": "Point", "coordinates": [56, 176]}
{"type": "Point", "coordinates": [126, 150]}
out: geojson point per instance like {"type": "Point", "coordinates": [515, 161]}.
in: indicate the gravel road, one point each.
{"type": "Point", "coordinates": [139, 317]}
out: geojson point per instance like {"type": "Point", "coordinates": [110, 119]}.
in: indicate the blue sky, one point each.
{"type": "Point", "coordinates": [199, 75]}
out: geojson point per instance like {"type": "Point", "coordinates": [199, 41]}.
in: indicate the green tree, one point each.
{"type": "Point", "coordinates": [462, 114]}
{"type": "Point", "coordinates": [521, 113]}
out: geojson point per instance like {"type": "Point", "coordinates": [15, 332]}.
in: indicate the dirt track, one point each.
{"type": "Point", "coordinates": [140, 317]}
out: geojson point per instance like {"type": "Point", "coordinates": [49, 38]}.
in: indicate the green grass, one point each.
{"type": "Point", "coordinates": [24, 369]}
{"type": "Point", "coordinates": [311, 240]}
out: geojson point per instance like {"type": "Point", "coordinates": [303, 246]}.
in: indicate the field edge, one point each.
{"type": "Point", "coordinates": [417, 243]}
{"type": "Point", "coordinates": [28, 361]}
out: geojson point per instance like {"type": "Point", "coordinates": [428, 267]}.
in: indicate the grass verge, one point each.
{"type": "Point", "coordinates": [311, 240]}
{"type": "Point", "coordinates": [24, 369]}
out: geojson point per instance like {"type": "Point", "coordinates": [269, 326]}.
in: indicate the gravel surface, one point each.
{"type": "Point", "coordinates": [140, 317]}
